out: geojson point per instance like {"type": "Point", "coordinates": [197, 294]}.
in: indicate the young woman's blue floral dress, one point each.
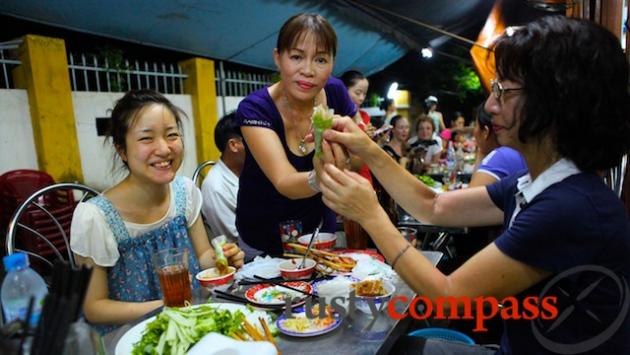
{"type": "Point", "coordinates": [132, 278]}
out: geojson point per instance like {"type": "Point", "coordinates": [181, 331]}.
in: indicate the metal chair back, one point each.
{"type": "Point", "coordinates": [198, 175]}
{"type": "Point", "coordinates": [41, 224]}
{"type": "Point", "coordinates": [615, 176]}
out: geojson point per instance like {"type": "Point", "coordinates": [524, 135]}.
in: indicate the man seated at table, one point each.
{"type": "Point", "coordinates": [220, 187]}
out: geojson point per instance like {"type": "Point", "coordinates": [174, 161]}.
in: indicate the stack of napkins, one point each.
{"type": "Point", "coordinates": [368, 267]}
{"type": "Point", "coordinates": [266, 267]}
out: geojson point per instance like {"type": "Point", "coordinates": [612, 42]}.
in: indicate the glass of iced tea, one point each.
{"type": "Point", "coordinates": [172, 268]}
{"type": "Point", "coordinates": [290, 231]}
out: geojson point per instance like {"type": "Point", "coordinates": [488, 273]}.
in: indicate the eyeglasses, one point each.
{"type": "Point", "coordinates": [498, 90]}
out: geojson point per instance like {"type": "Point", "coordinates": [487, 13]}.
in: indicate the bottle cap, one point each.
{"type": "Point", "coordinates": [15, 261]}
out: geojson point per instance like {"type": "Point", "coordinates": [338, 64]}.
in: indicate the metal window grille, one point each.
{"type": "Point", "coordinates": [91, 73]}
{"type": "Point", "coordinates": [7, 64]}
{"type": "Point", "coordinates": [238, 83]}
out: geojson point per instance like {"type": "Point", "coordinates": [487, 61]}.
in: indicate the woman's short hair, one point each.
{"type": "Point", "coordinates": [301, 25]}
{"type": "Point", "coordinates": [424, 118]}
{"type": "Point", "coordinates": [574, 76]}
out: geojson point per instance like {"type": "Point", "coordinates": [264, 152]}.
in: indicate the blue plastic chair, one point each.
{"type": "Point", "coordinates": [443, 333]}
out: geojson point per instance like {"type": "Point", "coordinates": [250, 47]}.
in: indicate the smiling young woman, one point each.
{"type": "Point", "coordinates": [151, 209]}
{"type": "Point", "coordinates": [154, 147]}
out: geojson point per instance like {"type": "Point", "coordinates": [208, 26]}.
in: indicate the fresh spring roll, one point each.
{"type": "Point", "coordinates": [322, 120]}
{"type": "Point", "coordinates": [221, 260]}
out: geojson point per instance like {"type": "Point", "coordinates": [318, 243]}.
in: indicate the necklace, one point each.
{"type": "Point", "coordinates": [302, 148]}
{"type": "Point", "coordinates": [302, 143]}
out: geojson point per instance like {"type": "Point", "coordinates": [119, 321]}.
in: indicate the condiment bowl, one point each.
{"type": "Point", "coordinates": [362, 302]}
{"type": "Point", "coordinates": [211, 277]}
{"type": "Point", "coordinates": [289, 268]}
{"type": "Point", "coordinates": [323, 241]}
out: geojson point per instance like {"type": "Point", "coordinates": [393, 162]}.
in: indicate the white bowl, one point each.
{"type": "Point", "coordinates": [323, 241]}
{"type": "Point", "coordinates": [211, 279]}
{"type": "Point", "coordinates": [289, 269]}
{"type": "Point", "coordinates": [362, 301]}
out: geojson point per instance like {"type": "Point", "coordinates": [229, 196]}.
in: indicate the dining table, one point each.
{"type": "Point", "coordinates": [359, 333]}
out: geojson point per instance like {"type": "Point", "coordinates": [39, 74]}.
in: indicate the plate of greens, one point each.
{"type": "Point", "coordinates": [175, 330]}
{"type": "Point", "coordinates": [427, 180]}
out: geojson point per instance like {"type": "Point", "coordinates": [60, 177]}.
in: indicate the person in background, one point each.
{"type": "Point", "coordinates": [438, 120]}
{"type": "Point", "coordinates": [494, 162]}
{"type": "Point", "coordinates": [389, 106]}
{"type": "Point", "coordinates": [423, 117]}
{"type": "Point", "coordinates": [220, 187]}
{"type": "Point", "coordinates": [459, 121]}
{"type": "Point", "coordinates": [278, 181]}
{"type": "Point", "coordinates": [397, 145]}
{"type": "Point", "coordinates": [151, 209]}
{"type": "Point", "coordinates": [357, 85]}
{"type": "Point", "coordinates": [424, 150]}
{"type": "Point", "coordinates": [458, 133]}
{"type": "Point", "coordinates": [566, 234]}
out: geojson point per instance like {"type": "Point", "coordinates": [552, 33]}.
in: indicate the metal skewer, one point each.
{"type": "Point", "coordinates": [310, 242]}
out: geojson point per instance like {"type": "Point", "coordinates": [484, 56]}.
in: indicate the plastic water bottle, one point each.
{"type": "Point", "coordinates": [19, 285]}
{"type": "Point", "coordinates": [450, 157]}
{"type": "Point", "coordinates": [451, 164]}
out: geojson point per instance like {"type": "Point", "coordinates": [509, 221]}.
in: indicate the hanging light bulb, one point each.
{"type": "Point", "coordinates": [391, 93]}
{"type": "Point", "coordinates": [427, 52]}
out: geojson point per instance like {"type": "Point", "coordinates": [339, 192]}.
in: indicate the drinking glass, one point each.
{"type": "Point", "coordinates": [290, 230]}
{"type": "Point", "coordinates": [172, 267]}
{"type": "Point", "coordinates": [356, 236]}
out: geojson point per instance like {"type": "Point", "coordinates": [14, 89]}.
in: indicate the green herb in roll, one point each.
{"type": "Point", "coordinates": [322, 120]}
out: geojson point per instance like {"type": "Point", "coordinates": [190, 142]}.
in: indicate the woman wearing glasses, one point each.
{"type": "Point", "coordinates": [562, 89]}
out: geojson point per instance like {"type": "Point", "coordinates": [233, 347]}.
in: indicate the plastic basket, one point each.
{"type": "Point", "coordinates": [443, 333]}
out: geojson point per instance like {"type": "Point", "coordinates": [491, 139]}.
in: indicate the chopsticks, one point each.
{"type": "Point", "coordinates": [281, 284]}
{"type": "Point", "coordinates": [27, 324]}
{"type": "Point", "coordinates": [240, 299]}
{"type": "Point", "coordinates": [230, 296]}
{"type": "Point", "coordinates": [62, 307]}
{"type": "Point", "coordinates": [249, 282]}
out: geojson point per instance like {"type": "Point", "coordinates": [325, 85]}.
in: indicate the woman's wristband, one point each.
{"type": "Point", "coordinates": [400, 254]}
{"type": "Point", "coordinates": [312, 181]}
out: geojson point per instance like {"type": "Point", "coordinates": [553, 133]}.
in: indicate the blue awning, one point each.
{"type": "Point", "coordinates": [245, 31]}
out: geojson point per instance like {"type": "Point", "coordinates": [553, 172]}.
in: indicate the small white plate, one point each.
{"type": "Point", "coordinates": [309, 332]}
{"type": "Point", "coordinates": [268, 294]}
